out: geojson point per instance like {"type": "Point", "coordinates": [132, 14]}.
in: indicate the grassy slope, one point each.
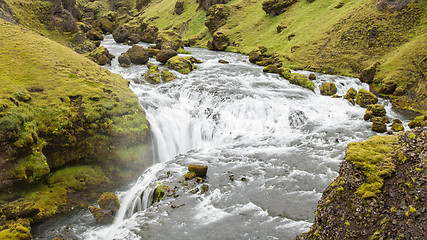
{"type": "Point", "coordinates": [329, 39]}
{"type": "Point", "coordinates": [58, 108]}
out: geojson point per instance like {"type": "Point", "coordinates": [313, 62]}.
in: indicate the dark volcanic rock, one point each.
{"type": "Point", "coordinates": [137, 55]}
{"type": "Point", "coordinates": [179, 7]}
{"type": "Point", "coordinates": [216, 17]}
{"type": "Point", "coordinates": [219, 42]}
{"type": "Point", "coordinates": [169, 40]}
{"type": "Point", "coordinates": [164, 55]}
{"type": "Point", "coordinates": [368, 73]}
{"type": "Point", "coordinates": [121, 34]}
{"type": "Point", "coordinates": [276, 7]}
{"type": "Point", "coordinates": [124, 60]}
{"type": "Point", "coordinates": [206, 4]}
{"type": "Point", "coordinates": [95, 34]}
{"type": "Point", "coordinates": [365, 98]}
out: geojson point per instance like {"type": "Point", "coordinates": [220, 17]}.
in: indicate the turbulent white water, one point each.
{"type": "Point", "coordinates": [271, 148]}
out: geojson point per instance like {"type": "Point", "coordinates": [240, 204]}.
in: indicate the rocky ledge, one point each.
{"type": "Point", "coordinates": [380, 192]}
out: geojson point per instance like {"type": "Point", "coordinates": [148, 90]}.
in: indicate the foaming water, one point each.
{"type": "Point", "coordinates": [271, 148]}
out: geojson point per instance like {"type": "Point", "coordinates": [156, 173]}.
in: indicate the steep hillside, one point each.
{"type": "Point", "coordinates": [66, 125]}
{"type": "Point", "coordinates": [339, 37]}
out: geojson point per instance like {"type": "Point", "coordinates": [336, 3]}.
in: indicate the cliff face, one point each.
{"type": "Point", "coordinates": [69, 129]}
{"type": "Point", "coordinates": [380, 192]}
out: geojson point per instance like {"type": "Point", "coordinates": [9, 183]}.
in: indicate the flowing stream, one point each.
{"type": "Point", "coordinates": [271, 148]}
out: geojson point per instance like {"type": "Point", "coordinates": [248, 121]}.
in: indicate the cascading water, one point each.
{"type": "Point", "coordinates": [271, 148]}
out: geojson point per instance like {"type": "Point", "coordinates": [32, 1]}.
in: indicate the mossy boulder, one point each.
{"type": "Point", "coordinates": [181, 64]}
{"type": "Point", "coordinates": [397, 126]}
{"type": "Point", "coordinates": [328, 89]}
{"type": "Point", "coordinates": [167, 76]}
{"type": "Point", "coordinates": [217, 16]}
{"type": "Point", "coordinates": [105, 25]}
{"type": "Point", "coordinates": [95, 34]}
{"type": "Point", "coordinates": [301, 80]}
{"type": "Point", "coordinates": [121, 34]}
{"type": "Point", "coordinates": [365, 98]}
{"type": "Point", "coordinates": [16, 230]}
{"type": "Point", "coordinates": [137, 55]}
{"type": "Point", "coordinates": [169, 40]}
{"type": "Point", "coordinates": [152, 51]}
{"type": "Point", "coordinates": [378, 125]}
{"type": "Point", "coordinates": [420, 121]}
{"type": "Point", "coordinates": [388, 86]}
{"type": "Point", "coordinates": [312, 76]}
{"type": "Point", "coordinates": [377, 110]}
{"type": "Point", "coordinates": [101, 55]}
{"type": "Point", "coordinates": [276, 7]}
{"type": "Point", "coordinates": [368, 73]}
{"type": "Point", "coordinates": [220, 41]}
{"type": "Point", "coordinates": [164, 55]}
{"type": "Point", "coordinates": [152, 75]}
{"type": "Point", "coordinates": [134, 38]}
{"type": "Point", "coordinates": [351, 94]}
{"type": "Point", "coordinates": [149, 34]}
{"type": "Point", "coordinates": [101, 216]}
{"type": "Point", "coordinates": [109, 201]}
{"type": "Point", "coordinates": [199, 170]}
{"type": "Point", "coordinates": [124, 60]}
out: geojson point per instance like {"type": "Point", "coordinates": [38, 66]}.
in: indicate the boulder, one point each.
{"type": "Point", "coordinates": [109, 201]}
{"type": "Point", "coordinates": [101, 216]}
{"type": "Point", "coordinates": [95, 35]}
{"type": "Point", "coordinates": [255, 56]}
{"type": "Point", "coordinates": [377, 110]}
{"type": "Point", "coordinates": [152, 52]}
{"type": "Point", "coordinates": [312, 76]}
{"type": "Point", "coordinates": [105, 25]}
{"type": "Point", "coordinates": [276, 7]}
{"type": "Point", "coordinates": [368, 115]}
{"type": "Point", "coordinates": [101, 55]}
{"type": "Point", "coordinates": [134, 38]}
{"type": "Point", "coordinates": [183, 65]}
{"type": "Point", "coordinates": [164, 55]}
{"type": "Point", "coordinates": [351, 94]}
{"type": "Point", "coordinates": [397, 126]}
{"type": "Point", "coordinates": [124, 60]}
{"type": "Point", "coordinates": [179, 7]}
{"type": "Point", "coordinates": [199, 170]}
{"type": "Point", "coordinates": [137, 55]}
{"type": "Point", "coordinates": [328, 89]}
{"type": "Point", "coordinates": [223, 61]}
{"type": "Point", "coordinates": [301, 80]}
{"type": "Point", "coordinates": [217, 17]}
{"type": "Point", "coordinates": [388, 86]}
{"type": "Point", "coordinates": [167, 76]}
{"type": "Point", "coordinates": [420, 121]}
{"type": "Point", "coordinates": [271, 69]}
{"type": "Point", "coordinates": [121, 34]}
{"type": "Point", "coordinates": [169, 40]}
{"type": "Point", "coordinates": [379, 126]}
{"type": "Point", "coordinates": [152, 75]}
{"type": "Point", "coordinates": [365, 98]}
{"type": "Point", "coordinates": [219, 42]}
{"type": "Point", "coordinates": [149, 34]}
{"type": "Point", "coordinates": [368, 73]}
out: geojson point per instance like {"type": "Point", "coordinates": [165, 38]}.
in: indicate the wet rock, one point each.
{"type": "Point", "coordinates": [189, 175]}
{"type": "Point", "coordinates": [179, 7]}
{"type": "Point", "coordinates": [152, 75]}
{"type": "Point", "coordinates": [109, 201]}
{"type": "Point", "coordinates": [134, 38]}
{"type": "Point", "coordinates": [101, 216]}
{"type": "Point", "coordinates": [169, 40]}
{"type": "Point", "coordinates": [368, 115]}
{"type": "Point", "coordinates": [20, 211]}
{"type": "Point", "coordinates": [152, 52]}
{"type": "Point", "coordinates": [217, 17]}
{"type": "Point", "coordinates": [181, 64]}
{"type": "Point", "coordinates": [167, 76]}
{"type": "Point", "coordinates": [397, 126]}
{"type": "Point", "coordinates": [365, 98]}
{"type": "Point", "coordinates": [312, 76]}
{"type": "Point", "coordinates": [377, 110]}
{"type": "Point", "coordinates": [351, 94]}
{"type": "Point", "coordinates": [301, 80]}
{"type": "Point", "coordinates": [255, 56]}
{"type": "Point", "coordinates": [137, 55]}
{"type": "Point", "coordinates": [199, 170]}
{"type": "Point", "coordinates": [165, 54]}
{"type": "Point", "coordinates": [121, 34]}
{"type": "Point", "coordinates": [124, 60]}
{"type": "Point", "coordinates": [276, 7]}
{"type": "Point", "coordinates": [223, 61]}
{"type": "Point", "coordinates": [379, 126]}
{"type": "Point", "coordinates": [95, 34]}
{"type": "Point", "coordinates": [328, 89]}
{"type": "Point", "coordinates": [368, 73]}
{"type": "Point", "coordinates": [271, 69]}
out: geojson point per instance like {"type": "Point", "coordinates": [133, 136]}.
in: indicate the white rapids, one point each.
{"type": "Point", "coordinates": [271, 147]}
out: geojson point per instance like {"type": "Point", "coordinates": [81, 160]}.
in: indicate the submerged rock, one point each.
{"type": "Point", "coordinates": [101, 216]}
{"type": "Point", "coordinates": [167, 76]}
{"type": "Point", "coordinates": [152, 75]}
{"type": "Point", "coordinates": [328, 89]}
{"type": "Point", "coordinates": [301, 80]}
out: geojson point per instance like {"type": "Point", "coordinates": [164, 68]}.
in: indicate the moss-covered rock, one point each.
{"type": "Point", "coordinates": [109, 201]}
{"type": "Point", "coordinates": [152, 75]}
{"type": "Point", "coordinates": [301, 80]}
{"type": "Point", "coordinates": [16, 230]}
{"type": "Point", "coordinates": [101, 215]}
{"type": "Point", "coordinates": [365, 98]}
{"type": "Point", "coordinates": [95, 34]}
{"type": "Point", "coordinates": [199, 170]}
{"type": "Point", "coordinates": [420, 121]}
{"type": "Point", "coordinates": [167, 76]}
{"type": "Point", "coordinates": [101, 55]}
{"type": "Point", "coordinates": [276, 7]}
{"type": "Point", "coordinates": [397, 126]}
{"type": "Point", "coordinates": [351, 94]}
{"type": "Point", "coordinates": [368, 73]}
{"type": "Point", "coordinates": [124, 60]}
{"type": "Point", "coordinates": [169, 40]}
{"type": "Point", "coordinates": [216, 17]}
{"type": "Point", "coordinates": [137, 55]}
{"type": "Point", "coordinates": [164, 55]}
{"type": "Point", "coordinates": [220, 41]}
{"type": "Point", "coordinates": [378, 125]}
{"type": "Point", "coordinates": [377, 110]}
{"type": "Point", "coordinates": [121, 34]}
{"type": "Point", "coordinates": [328, 89]}
{"type": "Point", "coordinates": [181, 64]}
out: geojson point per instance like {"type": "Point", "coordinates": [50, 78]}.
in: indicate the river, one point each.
{"type": "Point", "coordinates": [271, 148]}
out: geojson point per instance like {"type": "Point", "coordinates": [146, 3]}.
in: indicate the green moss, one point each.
{"type": "Point", "coordinates": [78, 177]}
{"type": "Point", "coordinates": [410, 211]}
{"type": "Point", "coordinates": [160, 192]}
{"type": "Point", "coordinates": [301, 80]}
{"type": "Point", "coordinates": [374, 159]}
